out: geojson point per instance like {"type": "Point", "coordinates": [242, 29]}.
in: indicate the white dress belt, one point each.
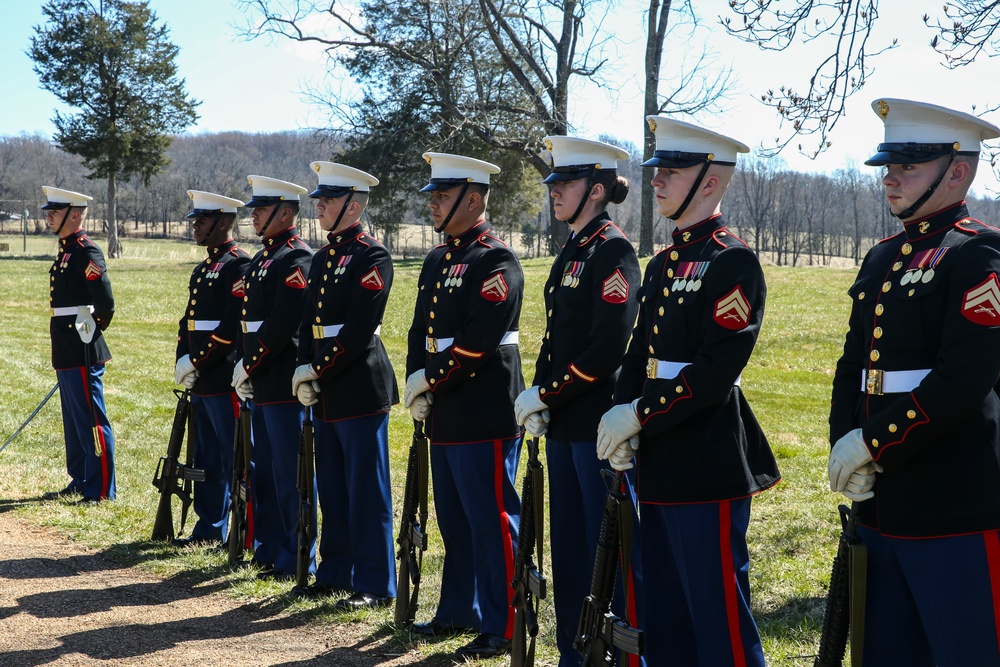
{"type": "Point", "coordinates": [878, 382]}
{"type": "Point", "coordinates": [68, 310]}
{"type": "Point", "coordinates": [251, 326]}
{"type": "Point", "coordinates": [661, 369]}
{"type": "Point", "coordinates": [435, 345]}
{"type": "Point", "coordinates": [331, 330]}
{"type": "Point", "coordinates": [203, 325]}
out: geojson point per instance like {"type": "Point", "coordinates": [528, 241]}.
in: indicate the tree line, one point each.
{"type": "Point", "coordinates": [788, 217]}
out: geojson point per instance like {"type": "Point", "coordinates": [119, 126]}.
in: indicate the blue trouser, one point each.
{"type": "Point", "coordinates": [352, 477]}
{"type": "Point", "coordinates": [82, 401]}
{"type": "Point", "coordinates": [214, 429]}
{"type": "Point", "coordinates": [577, 494]}
{"type": "Point", "coordinates": [478, 514]}
{"type": "Point", "coordinates": [932, 601]}
{"type": "Point", "coordinates": [277, 428]}
{"type": "Point", "coordinates": [698, 574]}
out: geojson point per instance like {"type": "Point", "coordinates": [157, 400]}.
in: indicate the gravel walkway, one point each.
{"type": "Point", "coordinates": [61, 604]}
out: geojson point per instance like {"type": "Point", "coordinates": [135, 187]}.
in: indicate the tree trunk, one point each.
{"type": "Point", "coordinates": [114, 245]}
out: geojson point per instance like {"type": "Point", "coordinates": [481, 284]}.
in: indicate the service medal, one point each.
{"type": "Point", "coordinates": [905, 278]}
{"type": "Point", "coordinates": [689, 287]}
{"type": "Point", "coordinates": [458, 281]}
{"type": "Point", "coordinates": [567, 279]}
{"type": "Point", "coordinates": [917, 275]}
{"type": "Point", "coordinates": [697, 285]}
{"type": "Point", "coordinates": [928, 276]}
{"type": "Point", "coordinates": [681, 284]}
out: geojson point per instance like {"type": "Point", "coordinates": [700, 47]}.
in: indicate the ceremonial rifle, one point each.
{"type": "Point", "coordinates": [412, 538]}
{"type": "Point", "coordinates": [240, 530]}
{"type": "Point", "coordinates": [528, 583]}
{"type": "Point", "coordinates": [304, 525]}
{"type": "Point", "coordinates": [601, 632]}
{"type": "Point", "coordinates": [172, 477]}
{"type": "Point", "coordinates": [845, 603]}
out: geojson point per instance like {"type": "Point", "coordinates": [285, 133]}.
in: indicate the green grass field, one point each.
{"type": "Point", "coordinates": [793, 532]}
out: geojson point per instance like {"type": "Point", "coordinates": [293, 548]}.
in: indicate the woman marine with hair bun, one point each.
{"type": "Point", "coordinates": [590, 308]}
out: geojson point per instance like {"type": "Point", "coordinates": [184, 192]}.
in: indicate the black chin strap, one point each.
{"type": "Point", "coordinates": [270, 218]}
{"type": "Point", "coordinates": [454, 207]}
{"type": "Point", "coordinates": [694, 187]}
{"type": "Point", "coordinates": [583, 199]}
{"type": "Point", "coordinates": [909, 211]}
{"type": "Point", "coordinates": [211, 230]}
{"type": "Point", "coordinates": [343, 210]}
{"type": "Point", "coordinates": [62, 224]}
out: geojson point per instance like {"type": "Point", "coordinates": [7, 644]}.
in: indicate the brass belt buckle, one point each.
{"type": "Point", "coordinates": [873, 381]}
{"type": "Point", "coordinates": [191, 325]}
{"type": "Point", "coordinates": [432, 345]}
{"type": "Point", "coordinates": [318, 331]}
{"type": "Point", "coordinates": [651, 368]}
{"type": "Point", "coordinates": [243, 326]}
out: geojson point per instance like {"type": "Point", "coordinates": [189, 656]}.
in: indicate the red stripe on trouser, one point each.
{"type": "Point", "coordinates": [236, 405]}
{"type": "Point", "coordinates": [729, 585]}
{"type": "Point", "coordinates": [96, 431]}
{"type": "Point", "coordinates": [499, 470]}
{"type": "Point", "coordinates": [992, 542]}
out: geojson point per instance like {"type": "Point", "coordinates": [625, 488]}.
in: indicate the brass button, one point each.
{"type": "Point", "coordinates": [666, 292]}
{"type": "Point", "coordinates": [661, 311]}
{"type": "Point", "coordinates": [911, 414]}
{"type": "Point", "coordinates": [892, 428]}
{"type": "Point", "coordinates": [670, 273]}
{"type": "Point", "coordinates": [674, 255]}
{"type": "Point", "coordinates": [551, 290]}
{"type": "Point", "coordinates": [663, 399]}
{"type": "Point", "coordinates": [679, 389]}
{"type": "Point", "coordinates": [656, 329]}
{"type": "Point", "coordinates": [879, 309]}
{"type": "Point", "coordinates": [861, 296]}
{"type": "Point", "coordinates": [873, 355]}
{"type": "Point", "coordinates": [897, 266]}
{"type": "Point", "coordinates": [448, 256]}
{"type": "Point", "coordinates": [886, 286]}
{"type": "Point", "coordinates": [911, 292]}
{"type": "Point", "coordinates": [878, 332]}
{"type": "Point", "coordinates": [874, 442]}
{"type": "Point", "coordinates": [680, 300]}
{"type": "Point", "coordinates": [646, 411]}
{"type": "Point", "coordinates": [651, 349]}
{"type": "Point", "coordinates": [907, 248]}
{"type": "Point", "coordinates": [555, 385]}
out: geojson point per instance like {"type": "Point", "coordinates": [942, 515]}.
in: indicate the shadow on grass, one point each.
{"type": "Point", "coordinates": [10, 505]}
{"type": "Point", "coordinates": [385, 644]}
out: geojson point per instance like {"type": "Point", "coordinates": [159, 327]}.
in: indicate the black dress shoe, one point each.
{"type": "Point", "coordinates": [359, 601]}
{"type": "Point", "coordinates": [317, 589]}
{"type": "Point", "coordinates": [275, 575]}
{"type": "Point", "coordinates": [435, 628]}
{"type": "Point", "coordinates": [194, 541]}
{"type": "Point", "coordinates": [484, 646]}
{"type": "Point", "coordinates": [62, 493]}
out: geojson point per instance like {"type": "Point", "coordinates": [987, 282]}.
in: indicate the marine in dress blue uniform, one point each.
{"type": "Point", "coordinates": [275, 299]}
{"type": "Point", "coordinates": [345, 372]}
{"type": "Point", "coordinates": [590, 308]}
{"type": "Point", "coordinates": [208, 337]}
{"type": "Point", "coordinates": [463, 373]}
{"type": "Point", "coordinates": [701, 453]}
{"type": "Point", "coordinates": [82, 306]}
{"type": "Point", "coordinates": [915, 414]}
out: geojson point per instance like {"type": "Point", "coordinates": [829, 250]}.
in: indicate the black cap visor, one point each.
{"type": "Point", "coordinates": [447, 184]}
{"type": "Point", "coordinates": [260, 201]}
{"type": "Point", "coordinates": [56, 206]}
{"type": "Point", "coordinates": [203, 212]}
{"type": "Point", "coordinates": [679, 160]}
{"type": "Point", "coordinates": [572, 172]}
{"type": "Point", "coordinates": [330, 191]}
{"type": "Point", "coordinates": [912, 153]}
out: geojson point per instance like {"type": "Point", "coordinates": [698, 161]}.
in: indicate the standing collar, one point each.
{"type": "Point", "coordinates": [591, 230]}
{"type": "Point", "coordinates": [72, 238]}
{"type": "Point", "coordinates": [220, 249]}
{"type": "Point", "coordinates": [935, 222]}
{"type": "Point", "coordinates": [699, 231]}
{"type": "Point", "coordinates": [346, 235]}
{"type": "Point", "coordinates": [280, 238]}
{"type": "Point", "coordinates": [468, 236]}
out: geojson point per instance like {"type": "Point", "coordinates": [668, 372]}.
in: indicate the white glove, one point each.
{"type": "Point", "coordinates": [307, 392]}
{"type": "Point", "coordinates": [617, 425]}
{"type": "Point", "coordinates": [859, 485]}
{"type": "Point", "coordinates": [303, 373]}
{"type": "Point", "coordinates": [621, 458]}
{"type": "Point", "coordinates": [416, 384]}
{"type": "Point", "coordinates": [528, 402]}
{"type": "Point", "coordinates": [848, 454]}
{"type": "Point", "coordinates": [537, 423]}
{"type": "Point", "coordinates": [86, 327]}
{"type": "Point", "coordinates": [420, 406]}
{"type": "Point", "coordinates": [241, 382]}
{"type": "Point", "coordinates": [184, 372]}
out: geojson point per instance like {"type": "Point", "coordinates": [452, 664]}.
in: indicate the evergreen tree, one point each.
{"type": "Point", "coordinates": [114, 64]}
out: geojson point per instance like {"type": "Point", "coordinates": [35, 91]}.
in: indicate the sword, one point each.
{"type": "Point", "coordinates": [31, 416]}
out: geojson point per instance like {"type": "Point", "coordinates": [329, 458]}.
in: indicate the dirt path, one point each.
{"type": "Point", "coordinates": [61, 604]}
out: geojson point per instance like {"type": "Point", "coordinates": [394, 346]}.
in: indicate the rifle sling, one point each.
{"type": "Point", "coordinates": [859, 573]}
{"type": "Point", "coordinates": [189, 462]}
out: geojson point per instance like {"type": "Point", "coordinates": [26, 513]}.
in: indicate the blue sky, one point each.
{"type": "Point", "coordinates": [257, 86]}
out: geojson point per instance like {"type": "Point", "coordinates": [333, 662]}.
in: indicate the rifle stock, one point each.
{"type": "Point", "coordinates": [303, 527]}
{"type": "Point", "coordinates": [529, 583]}
{"type": "Point", "coordinates": [838, 619]}
{"type": "Point", "coordinates": [240, 533]}
{"type": "Point", "coordinates": [173, 478]}
{"type": "Point", "coordinates": [412, 539]}
{"type": "Point", "coordinates": [600, 632]}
